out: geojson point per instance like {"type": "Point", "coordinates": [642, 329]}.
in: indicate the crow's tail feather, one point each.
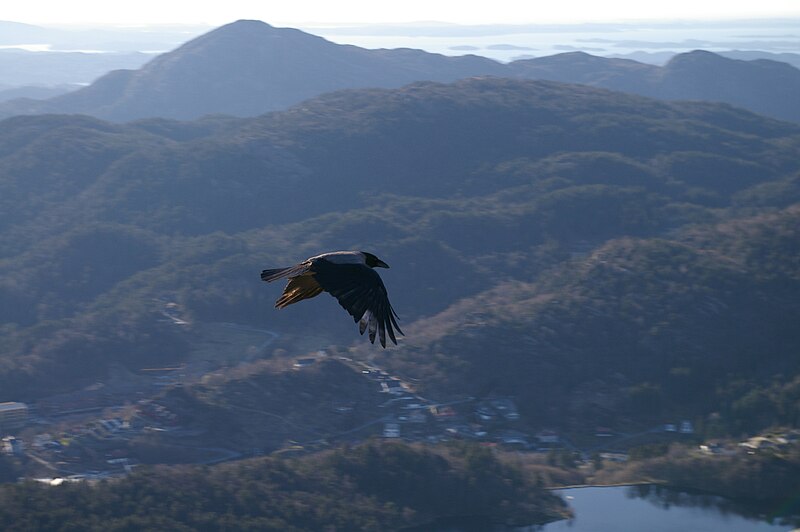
{"type": "Point", "coordinates": [283, 273]}
{"type": "Point", "coordinates": [273, 275]}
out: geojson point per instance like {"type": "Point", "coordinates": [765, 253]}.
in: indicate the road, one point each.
{"type": "Point", "coordinates": [262, 347]}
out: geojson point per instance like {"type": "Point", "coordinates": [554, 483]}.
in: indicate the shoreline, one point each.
{"type": "Point", "coordinates": [614, 485]}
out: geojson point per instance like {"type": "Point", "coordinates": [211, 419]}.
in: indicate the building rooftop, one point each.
{"type": "Point", "coordinates": [5, 407]}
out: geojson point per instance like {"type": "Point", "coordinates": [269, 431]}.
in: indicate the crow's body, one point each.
{"type": "Point", "coordinates": [350, 278]}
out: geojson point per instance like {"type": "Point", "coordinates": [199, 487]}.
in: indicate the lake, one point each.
{"type": "Point", "coordinates": [645, 508]}
{"type": "Point", "coordinates": [655, 509]}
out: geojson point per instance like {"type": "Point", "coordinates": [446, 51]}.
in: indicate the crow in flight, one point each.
{"type": "Point", "coordinates": [350, 278]}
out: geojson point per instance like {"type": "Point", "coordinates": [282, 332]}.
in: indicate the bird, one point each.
{"type": "Point", "coordinates": [349, 276]}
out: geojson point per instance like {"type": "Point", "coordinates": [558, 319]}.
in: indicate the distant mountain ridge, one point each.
{"type": "Point", "coordinates": [248, 68]}
{"type": "Point", "coordinates": [763, 86]}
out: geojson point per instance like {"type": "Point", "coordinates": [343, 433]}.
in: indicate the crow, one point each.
{"type": "Point", "coordinates": [350, 278]}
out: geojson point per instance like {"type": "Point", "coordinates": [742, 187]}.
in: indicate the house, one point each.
{"type": "Point", "coordinates": [762, 443]}
{"type": "Point", "coordinates": [759, 443]}
{"type": "Point", "coordinates": [40, 441]}
{"type": "Point", "coordinates": [462, 430]}
{"type": "Point", "coordinates": [792, 436]}
{"type": "Point", "coordinates": [391, 430]}
{"type": "Point", "coordinates": [513, 439]}
{"type": "Point", "coordinates": [710, 448]}
{"type": "Point", "coordinates": [111, 425]}
{"type": "Point", "coordinates": [12, 446]}
{"type": "Point", "coordinates": [547, 436]}
{"type": "Point", "coordinates": [13, 416]}
{"type": "Point", "coordinates": [506, 408]}
{"type": "Point", "coordinates": [686, 427]}
{"type": "Point", "coordinates": [484, 412]}
{"type": "Point", "coordinates": [603, 432]}
{"type": "Point", "coordinates": [304, 362]}
{"type": "Point", "coordinates": [442, 413]}
{"type": "Point", "coordinates": [614, 457]}
{"type": "Point", "coordinates": [716, 449]}
{"type": "Point", "coordinates": [392, 386]}
{"type": "Point", "coordinates": [417, 416]}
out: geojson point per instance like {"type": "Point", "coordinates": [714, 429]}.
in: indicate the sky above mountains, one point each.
{"type": "Point", "coordinates": [303, 12]}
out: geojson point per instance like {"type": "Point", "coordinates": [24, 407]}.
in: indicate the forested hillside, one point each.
{"type": "Point", "coordinates": [636, 329]}
{"type": "Point", "coordinates": [544, 238]}
{"type": "Point", "coordinates": [370, 487]}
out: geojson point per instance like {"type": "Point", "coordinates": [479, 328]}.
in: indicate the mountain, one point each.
{"type": "Point", "coordinates": [762, 85]}
{"type": "Point", "coordinates": [248, 68]}
{"type": "Point", "coordinates": [750, 55]}
{"type": "Point", "coordinates": [661, 58]}
{"type": "Point", "coordinates": [579, 67]}
{"type": "Point", "coordinates": [34, 92]}
{"type": "Point", "coordinates": [509, 211]}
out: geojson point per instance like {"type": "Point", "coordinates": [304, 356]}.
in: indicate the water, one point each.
{"type": "Point", "coordinates": [655, 509]}
{"type": "Point", "coordinates": [507, 43]}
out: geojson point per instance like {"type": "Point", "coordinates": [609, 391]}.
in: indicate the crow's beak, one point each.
{"type": "Point", "coordinates": [381, 264]}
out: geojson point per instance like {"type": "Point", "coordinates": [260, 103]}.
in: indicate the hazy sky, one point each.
{"type": "Point", "coordinates": [299, 12]}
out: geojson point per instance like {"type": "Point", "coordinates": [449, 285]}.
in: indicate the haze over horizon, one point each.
{"type": "Point", "coordinates": [315, 12]}
{"type": "Point", "coordinates": [494, 35]}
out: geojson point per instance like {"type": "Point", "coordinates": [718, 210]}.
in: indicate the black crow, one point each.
{"type": "Point", "coordinates": [349, 277]}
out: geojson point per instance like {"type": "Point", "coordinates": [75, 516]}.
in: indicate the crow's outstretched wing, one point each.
{"type": "Point", "coordinates": [360, 291]}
